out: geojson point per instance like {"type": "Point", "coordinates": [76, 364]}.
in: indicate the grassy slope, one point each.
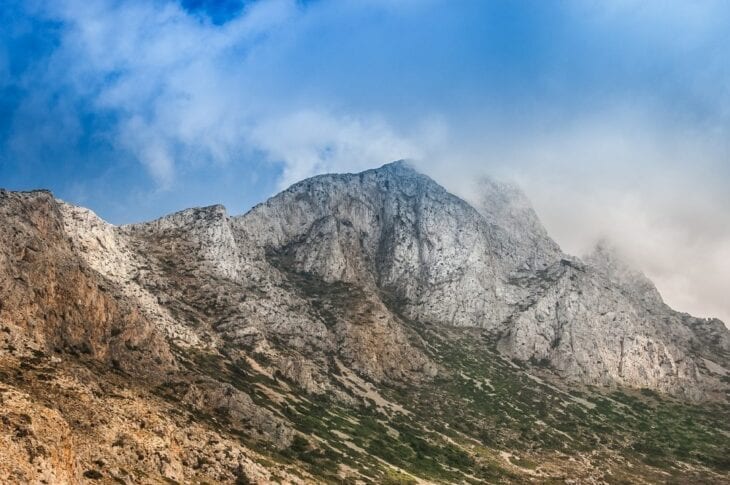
{"type": "Point", "coordinates": [485, 419]}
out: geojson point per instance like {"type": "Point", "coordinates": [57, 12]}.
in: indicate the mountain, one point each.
{"type": "Point", "coordinates": [366, 327]}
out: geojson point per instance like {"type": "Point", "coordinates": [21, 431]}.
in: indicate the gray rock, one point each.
{"type": "Point", "coordinates": [347, 264]}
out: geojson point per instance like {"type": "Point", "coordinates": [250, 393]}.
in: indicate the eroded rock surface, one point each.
{"type": "Point", "coordinates": [336, 263]}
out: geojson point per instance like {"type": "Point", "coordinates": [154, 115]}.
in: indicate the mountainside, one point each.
{"type": "Point", "coordinates": [365, 327]}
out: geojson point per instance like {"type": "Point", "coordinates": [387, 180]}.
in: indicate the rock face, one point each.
{"type": "Point", "coordinates": [51, 301]}
{"type": "Point", "coordinates": [431, 257]}
{"type": "Point", "coordinates": [338, 288]}
{"type": "Point", "coordinates": [505, 207]}
{"type": "Point", "coordinates": [392, 245]}
{"type": "Point", "coordinates": [391, 231]}
{"type": "Point", "coordinates": [601, 322]}
{"type": "Point", "coordinates": [80, 342]}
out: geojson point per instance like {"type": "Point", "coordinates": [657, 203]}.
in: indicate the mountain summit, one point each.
{"type": "Point", "coordinates": [366, 327]}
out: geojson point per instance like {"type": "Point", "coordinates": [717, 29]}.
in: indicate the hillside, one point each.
{"type": "Point", "coordinates": [365, 327]}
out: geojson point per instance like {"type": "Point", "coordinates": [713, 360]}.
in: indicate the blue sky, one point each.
{"type": "Point", "coordinates": [613, 116]}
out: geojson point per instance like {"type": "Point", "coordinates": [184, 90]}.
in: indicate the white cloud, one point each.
{"type": "Point", "coordinates": [183, 90]}
{"type": "Point", "coordinates": [312, 142]}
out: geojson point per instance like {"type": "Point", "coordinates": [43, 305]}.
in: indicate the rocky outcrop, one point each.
{"type": "Point", "coordinates": [52, 302]}
{"type": "Point", "coordinates": [396, 232]}
{"type": "Point", "coordinates": [432, 258]}
{"type": "Point", "coordinates": [339, 264]}
{"type": "Point", "coordinates": [590, 331]}
{"type": "Point", "coordinates": [36, 443]}
{"type": "Point", "coordinates": [221, 281]}
{"type": "Point", "coordinates": [506, 207]}
{"type": "Point", "coordinates": [84, 353]}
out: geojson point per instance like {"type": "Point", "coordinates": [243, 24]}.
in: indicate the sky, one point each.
{"type": "Point", "coordinates": [614, 117]}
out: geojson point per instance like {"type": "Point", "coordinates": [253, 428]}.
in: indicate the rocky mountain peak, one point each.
{"type": "Point", "coordinates": [196, 216]}
{"type": "Point", "coordinates": [607, 259]}
{"type": "Point", "coordinates": [392, 230]}
{"type": "Point", "coordinates": [401, 167]}
{"type": "Point", "coordinates": [504, 205]}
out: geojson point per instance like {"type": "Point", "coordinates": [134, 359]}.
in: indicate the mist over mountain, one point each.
{"type": "Point", "coordinates": [137, 109]}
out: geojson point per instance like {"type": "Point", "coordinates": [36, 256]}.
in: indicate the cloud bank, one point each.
{"type": "Point", "coordinates": [613, 117]}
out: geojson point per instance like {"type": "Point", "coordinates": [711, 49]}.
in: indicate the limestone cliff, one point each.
{"type": "Point", "coordinates": [391, 245]}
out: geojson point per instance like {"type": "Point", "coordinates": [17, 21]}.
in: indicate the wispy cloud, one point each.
{"type": "Point", "coordinates": [183, 91]}
{"type": "Point", "coordinates": [174, 84]}
{"type": "Point", "coordinates": [313, 142]}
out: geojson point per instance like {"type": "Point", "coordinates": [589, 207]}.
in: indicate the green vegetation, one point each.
{"type": "Point", "coordinates": [489, 399]}
{"type": "Point", "coordinates": [482, 419]}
